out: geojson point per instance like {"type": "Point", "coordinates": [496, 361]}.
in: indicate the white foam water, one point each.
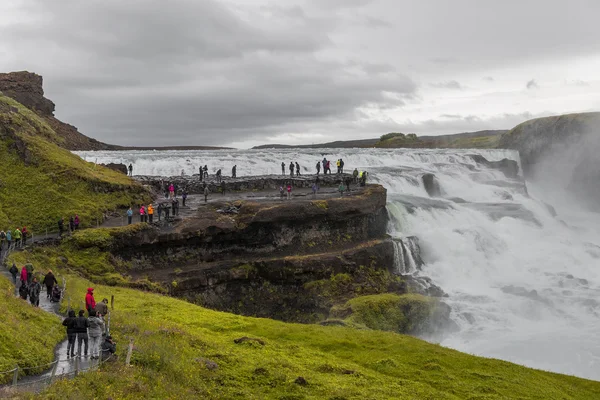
{"type": "Point", "coordinates": [523, 285]}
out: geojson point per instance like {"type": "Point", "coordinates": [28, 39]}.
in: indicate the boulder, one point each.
{"type": "Point", "coordinates": [432, 186]}
{"type": "Point", "coordinates": [116, 167]}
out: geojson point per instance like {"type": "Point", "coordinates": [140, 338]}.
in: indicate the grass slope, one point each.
{"type": "Point", "coordinates": [184, 351]}
{"type": "Point", "coordinates": [28, 334]}
{"type": "Point", "coordinates": [40, 181]}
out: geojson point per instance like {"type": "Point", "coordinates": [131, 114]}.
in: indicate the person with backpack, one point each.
{"type": "Point", "coordinates": [129, 216]}
{"type": "Point", "coordinates": [29, 268]}
{"type": "Point", "coordinates": [9, 239]}
{"type": "Point", "coordinates": [109, 348]}
{"type": "Point", "coordinates": [96, 329]}
{"type": "Point", "coordinates": [81, 329]}
{"type": "Point", "coordinates": [14, 271]}
{"type": "Point", "coordinates": [90, 302]}
{"type": "Point", "coordinates": [34, 292]}
{"type": "Point", "coordinates": [69, 323]}
{"type": "Point", "coordinates": [49, 282]}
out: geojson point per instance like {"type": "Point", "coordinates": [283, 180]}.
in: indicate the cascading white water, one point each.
{"type": "Point", "coordinates": [523, 285]}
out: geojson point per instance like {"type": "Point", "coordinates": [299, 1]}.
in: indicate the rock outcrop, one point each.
{"type": "Point", "coordinates": [26, 88]}
{"type": "Point", "coordinates": [561, 152]}
{"type": "Point", "coordinates": [262, 260]}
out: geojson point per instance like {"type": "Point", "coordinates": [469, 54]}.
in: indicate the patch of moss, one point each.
{"type": "Point", "coordinates": [390, 312]}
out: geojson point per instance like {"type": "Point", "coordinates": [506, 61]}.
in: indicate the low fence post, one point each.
{"type": "Point", "coordinates": [54, 368]}
{"type": "Point", "coordinates": [112, 302]}
{"type": "Point", "coordinates": [16, 375]}
{"type": "Point", "coordinates": [129, 351]}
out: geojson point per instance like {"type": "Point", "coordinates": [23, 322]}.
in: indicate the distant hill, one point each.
{"type": "Point", "coordinates": [26, 88]}
{"type": "Point", "coordinates": [340, 144]}
{"type": "Point", "coordinates": [479, 139]}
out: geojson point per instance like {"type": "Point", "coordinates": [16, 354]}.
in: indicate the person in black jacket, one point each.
{"type": "Point", "coordinates": [81, 326]}
{"type": "Point", "coordinates": [34, 292]}
{"type": "Point", "coordinates": [69, 322]}
{"type": "Point", "coordinates": [49, 282]}
{"type": "Point", "coordinates": [14, 271]}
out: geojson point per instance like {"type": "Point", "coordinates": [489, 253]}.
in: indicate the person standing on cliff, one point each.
{"type": "Point", "coordinates": [341, 166]}
{"type": "Point", "coordinates": [292, 166]}
{"type": "Point", "coordinates": [129, 216]}
{"type": "Point", "coordinates": [206, 192]}
{"type": "Point", "coordinates": [14, 271]}
{"type": "Point", "coordinates": [324, 166]}
{"type": "Point", "coordinates": [355, 175]}
{"type": "Point", "coordinates": [90, 302]}
{"type": "Point", "coordinates": [142, 213]}
{"type": "Point", "coordinates": [297, 169]}
{"type": "Point", "coordinates": [219, 177]}
{"type": "Point", "coordinates": [282, 168]}
{"type": "Point", "coordinates": [130, 168]}
{"type": "Point", "coordinates": [24, 233]}
{"type": "Point", "coordinates": [150, 212]}
{"type": "Point", "coordinates": [234, 171]}
{"type": "Point", "coordinates": [17, 236]}
{"type": "Point", "coordinates": [318, 166]}
{"type": "Point", "coordinates": [201, 173]}
{"type": "Point", "coordinates": [184, 196]}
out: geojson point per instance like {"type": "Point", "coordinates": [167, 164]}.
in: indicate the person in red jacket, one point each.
{"type": "Point", "coordinates": [23, 276]}
{"type": "Point", "coordinates": [90, 302]}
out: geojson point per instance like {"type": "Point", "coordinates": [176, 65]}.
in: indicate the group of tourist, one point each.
{"type": "Point", "coordinates": [30, 287]}
{"type": "Point", "coordinates": [11, 239]}
{"type": "Point", "coordinates": [91, 329]}
{"type": "Point", "coordinates": [74, 222]}
{"type": "Point", "coordinates": [203, 172]}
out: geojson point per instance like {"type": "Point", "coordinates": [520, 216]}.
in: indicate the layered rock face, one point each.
{"type": "Point", "coordinates": [260, 260]}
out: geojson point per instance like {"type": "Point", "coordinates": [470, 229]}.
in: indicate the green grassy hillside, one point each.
{"type": "Point", "coordinates": [40, 181]}
{"type": "Point", "coordinates": [28, 334]}
{"type": "Point", "coordinates": [183, 351]}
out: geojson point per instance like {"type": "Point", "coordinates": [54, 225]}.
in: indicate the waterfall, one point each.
{"type": "Point", "coordinates": [522, 283]}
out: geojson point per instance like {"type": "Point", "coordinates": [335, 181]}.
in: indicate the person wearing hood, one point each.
{"type": "Point", "coordinates": [69, 322]}
{"type": "Point", "coordinates": [14, 271]}
{"type": "Point", "coordinates": [90, 302]}
{"type": "Point", "coordinates": [49, 282]}
{"type": "Point", "coordinates": [95, 333]}
{"type": "Point", "coordinates": [23, 276]}
{"type": "Point", "coordinates": [34, 292]}
{"type": "Point", "coordinates": [81, 329]}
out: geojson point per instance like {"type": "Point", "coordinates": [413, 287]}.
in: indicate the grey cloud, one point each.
{"type": "Point", "coordinates": [488, 78]}
{"type": "Point", "coordinates": [532, 84]}
{"type": "Point", "coordinates": [194, 72]}
{"type": "Point", "coordinates": [447, 85]}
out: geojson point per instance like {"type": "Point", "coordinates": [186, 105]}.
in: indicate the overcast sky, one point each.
{"type": "Point", "coordinates": [247, 72]}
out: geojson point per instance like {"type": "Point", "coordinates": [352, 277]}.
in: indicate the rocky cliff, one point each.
{"type": "Point", "coordinates": [26, 88]}
{"type": "Point", "coordinates": [561, 151]}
